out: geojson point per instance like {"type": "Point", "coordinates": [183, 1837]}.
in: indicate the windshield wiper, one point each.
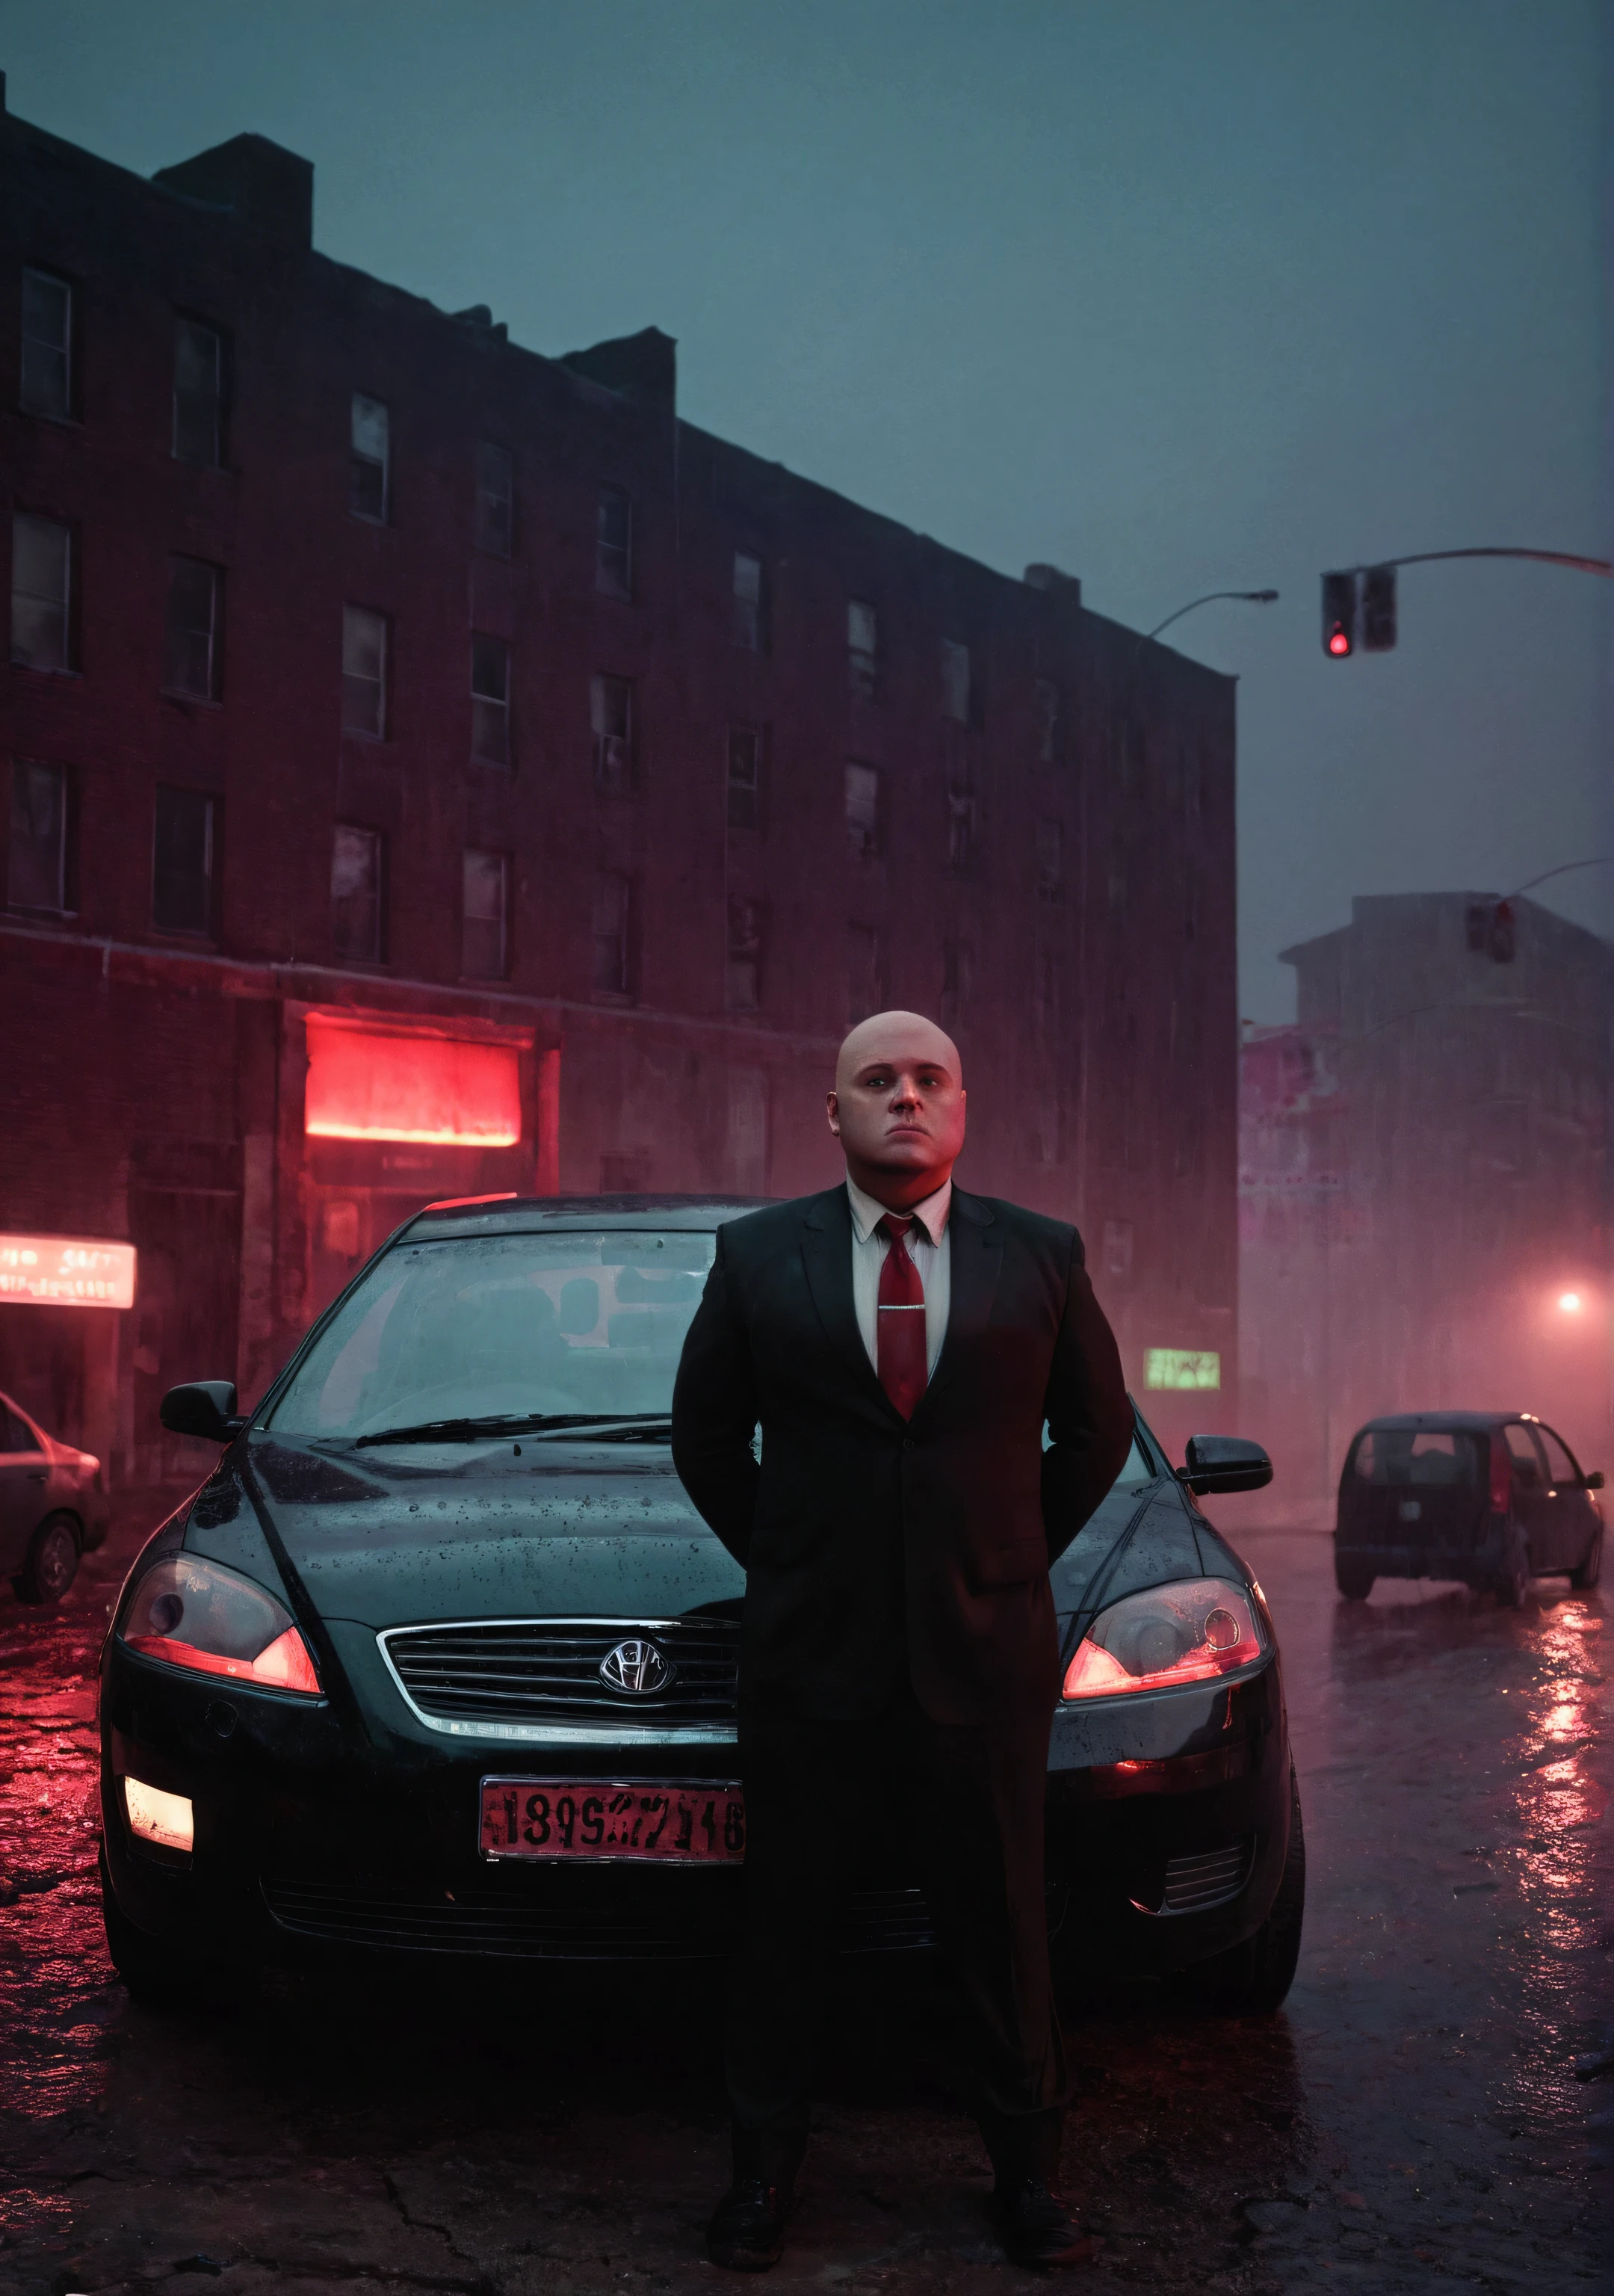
{"type": "Point", "coordinates": [525, 1422]}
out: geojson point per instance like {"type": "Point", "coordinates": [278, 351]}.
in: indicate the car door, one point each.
{"type": "Point", "coordinates": [1575, 1520]}
{"type": "Point", "coordinates": [24, 1476]}
{"type": "Point", "coordinates": [1531, 1504]}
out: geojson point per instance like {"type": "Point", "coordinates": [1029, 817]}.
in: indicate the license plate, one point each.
{"type": "Point", "coordinates": [665, 1822]}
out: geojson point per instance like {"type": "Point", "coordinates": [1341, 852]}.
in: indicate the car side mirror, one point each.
{"type": "Point", "coordinates": [203, 1407]}
{"type": "Point", "coordinates": [1596, 1480]}
{"type": "Point", "coordinates": [1224, 1462]}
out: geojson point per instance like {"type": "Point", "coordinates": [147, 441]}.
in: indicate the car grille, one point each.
{"type": "Point", "coordinates": [547, 1671]}
{"type": "Point", "coordinates": [628, 1925]}
{"type": "Point", "coordinates": [1194, 1883]}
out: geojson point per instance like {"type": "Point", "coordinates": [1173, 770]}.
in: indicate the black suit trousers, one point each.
{"type": "Point", "coordinates": [820, 1800]}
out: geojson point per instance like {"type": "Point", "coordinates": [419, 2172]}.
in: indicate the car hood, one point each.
{"type": "Point", "coordinates": [415, 1532]}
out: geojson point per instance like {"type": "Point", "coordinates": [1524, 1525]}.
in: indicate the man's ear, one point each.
{"type": "Point", "coordinates": [831, 1106]}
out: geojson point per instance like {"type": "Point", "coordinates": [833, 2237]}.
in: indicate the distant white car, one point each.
{"type": "Point", "coordinates": [52, 1506]}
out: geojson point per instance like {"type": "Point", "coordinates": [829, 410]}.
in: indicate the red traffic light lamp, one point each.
{"type": "Point", "coordinates": [1340, 613]}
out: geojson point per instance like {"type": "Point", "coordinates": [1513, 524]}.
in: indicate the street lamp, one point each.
{"type": "Point", "coordinates": [1246, 597]}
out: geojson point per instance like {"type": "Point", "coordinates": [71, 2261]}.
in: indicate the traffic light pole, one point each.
{"type": "Point", "coordinates": [1359, 602]}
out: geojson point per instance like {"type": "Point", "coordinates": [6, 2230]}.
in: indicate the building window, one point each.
{"type": "Point", "coordinates": [42, 592]}
{"type": "Point", "coordinates": [46, 385]}
{"type": "Point", "coordinates": [748, 627]}
{"type": "Point", "coordinates": [369, 490]}
{"type": "Point", "coordinates": [961, 824]}
{"type": "Point", "coordinates": [742, 981]}
{"type": "Point", "coordinates": [36, 875]}
{"type": "Point", "coordinates": [357, 894]}
{"type": "Point", "coordinates": [863, 647]}
{"type": "Point", "coordinates": [1050, 858]}
{"type": "Point", "coordinates": [866, 973]}
{"type": "Point", "coordinates": [745, 777]}
{"type": "Point", "coordinates": [364, 672]}
{"type": "Point", "coordinates": [195, 618]}
{"type": "Point", "coordinates": [612, 905]}
{"type": "Point", "coordinates": [181, 862]}
{"type": "Point", "coordinates": [614, 544]}
{"type": "Point", "coordinates": [484, 931]}
{"type": "Point", "coordinates": [863, 808]}
{"type": "Point", "coordinates": [957, 697]}
{"type": "Point", "coordinates": [747, 1127]}
{"type": "Point", "coordinates": [957, 977]}
{"type": "Point", "coordinates": [611, 717]}
{"type": "Point", "coordinates": [1049, 725]}
{"type": "Point", "coordinates": [199, 395]}
{"type": "Point", "coordinates": [489, 700]}
{"type": "Point", "coordinates": [495, 500]}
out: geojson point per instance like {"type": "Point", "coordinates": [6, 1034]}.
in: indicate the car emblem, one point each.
{"type": "Point", "coordinates": [636, 1667]}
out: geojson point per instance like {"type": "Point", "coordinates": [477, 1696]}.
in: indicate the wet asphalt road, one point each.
{"type": "Point", "coordinates": [1433, 2110]}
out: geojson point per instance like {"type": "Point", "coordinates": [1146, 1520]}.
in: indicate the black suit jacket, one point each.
{"type": "Point", "coordinates": [876, 1548]}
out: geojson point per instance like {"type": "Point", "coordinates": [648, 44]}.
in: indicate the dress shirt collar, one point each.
{"type": "Point", "coordinates": [931, 1214]}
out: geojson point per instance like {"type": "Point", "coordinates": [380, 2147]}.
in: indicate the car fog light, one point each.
{"type": "Point", "coordinates": [165, 1818]}
{"type": "Point", "coordinates": [1190, 1631]}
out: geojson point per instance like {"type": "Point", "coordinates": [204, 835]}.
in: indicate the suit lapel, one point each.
{"type": "Point", "coordinates": [826, 1251]}
{"type": "Point", "coordinates": [976, 1243]}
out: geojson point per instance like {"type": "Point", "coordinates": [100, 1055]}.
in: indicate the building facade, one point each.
{"type": "Point", "coordinates": [437, 769]}
{"type": "Point", "coordinates": [1424, 1182]}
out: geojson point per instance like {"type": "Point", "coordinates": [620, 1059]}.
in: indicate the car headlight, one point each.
{"type": "Point", "coordinates": [198, 1614]}
{"type": "Point", "coordinates": [1191, 1631]}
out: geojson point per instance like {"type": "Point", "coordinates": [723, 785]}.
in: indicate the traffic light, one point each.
{"type": "Point", "coordinates": [1378, 609]}
{"type": "Point", "coordinates": [1339, 615]}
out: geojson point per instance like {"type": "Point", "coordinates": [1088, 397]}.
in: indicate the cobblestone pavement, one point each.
{"type": "Point", "coordinates": [1432, 2111]}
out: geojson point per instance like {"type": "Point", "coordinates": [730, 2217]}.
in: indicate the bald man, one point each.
{"type": "Point", "coordinates": [903, 1347]}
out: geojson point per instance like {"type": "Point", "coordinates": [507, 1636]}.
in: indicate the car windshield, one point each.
{"type": "Point", "coordinates": [1421, 1454]}
{"type": "Point", "coordinates": [552, 1324]}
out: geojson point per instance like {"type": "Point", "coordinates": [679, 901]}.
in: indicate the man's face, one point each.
{"type": "Point", "coordinates": [897, 1108]}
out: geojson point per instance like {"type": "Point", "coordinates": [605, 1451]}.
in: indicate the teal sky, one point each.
{"type": "Point", "coordinates": [1175, 293]}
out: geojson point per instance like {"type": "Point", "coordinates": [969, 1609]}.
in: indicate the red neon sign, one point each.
{"type": "Point", "coordinates": [66, 1271]}
{"type": "Point", "coordinates": [449, 1092]}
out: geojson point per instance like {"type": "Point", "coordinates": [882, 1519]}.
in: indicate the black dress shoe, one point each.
{"type": "Point", "coordinates": [747, 2230]}
{"type": "Point", "coordinates": [1035, 2227]}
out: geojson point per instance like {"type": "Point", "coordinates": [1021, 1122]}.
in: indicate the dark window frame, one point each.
{"type": "Point", "coordinates": [615, 774]}
{"type": "Point", "coordinates": [378, 843]}
{"type": "Point", "coordinates": [359, 463]}
{"type": "Point", "coordinates": [70, 666]}
{"type": "Point", "coordinates": [619, 988]}
{"type": "Point", "coordinates": [611, 579]}
{"type": "Point", "coordinates": [67, 841]}
{"type": "Point", "coordinates": [218, 459]}
{"type": "Point", "coordinates": [208, 929]}
{"type": "Point", "coordinates": [384, 685]}
{"type": "Point", "coordinates": [212, 694]}
{"type": "Point", "coordinates": [743, 798]}
{"type": "Point", "coordinates": [70, 411]}
{"type": "Point", "coordinates": [480, 527]}
{"type": "Point", "coordinates": [501, 961]}
{"type": "Point", "coordinates": [863, 662]}
{"type": "Point", "coordinates": [748, 616]}
{"type": "Point", "coordinates": [483, 701]}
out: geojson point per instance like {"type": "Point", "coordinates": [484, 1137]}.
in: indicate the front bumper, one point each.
{"type": "Point", "coordinates": [344, 1827]}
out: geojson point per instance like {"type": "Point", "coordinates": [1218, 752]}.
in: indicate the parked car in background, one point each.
{"type": "Point", "coordinates": [442, 1661]}
{"type": "Point", "coordinates": [1491, 1499]}
{"type": "Point", "coordinates": [52, 1506]}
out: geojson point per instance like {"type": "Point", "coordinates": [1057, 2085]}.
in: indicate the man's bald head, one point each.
{"type": "Point", "coordinates": [897, 1108]}
{"type": "Point", "coordinates": [896, 1036]}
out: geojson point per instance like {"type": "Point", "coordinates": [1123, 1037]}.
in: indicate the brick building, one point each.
{"type": "Point", "coordinates": [1424, 1182]}
{"type": "Point", "coordinates": [437, 769]}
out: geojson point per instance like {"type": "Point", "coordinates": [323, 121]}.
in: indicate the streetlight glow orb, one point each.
{"type": "Point", "coordinates": [1569, 1302]}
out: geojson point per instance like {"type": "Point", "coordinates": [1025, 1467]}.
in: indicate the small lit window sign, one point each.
{"type": "Point", "coordinates": [445, 1091]}
{"type": "Point", "coordinates": [65, 1271]}
{"type": "Point", "coordinates": [1182, 1367]}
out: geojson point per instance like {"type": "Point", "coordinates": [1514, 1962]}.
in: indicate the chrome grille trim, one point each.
{"type": "Point", "coordinates": [562, 1672]}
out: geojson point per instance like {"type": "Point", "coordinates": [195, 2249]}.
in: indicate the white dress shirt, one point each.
{"type": "Point", "coordinates": [928, 1249]}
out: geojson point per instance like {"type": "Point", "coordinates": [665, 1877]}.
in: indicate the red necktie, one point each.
{"type": "Point", "coordinates": [900, 1320]}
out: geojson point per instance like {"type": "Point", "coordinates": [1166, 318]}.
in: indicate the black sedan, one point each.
{"type": "Point", "coordinates": [1491, 1499]}
{"type": "Point", "coordinates": [442, 1661]}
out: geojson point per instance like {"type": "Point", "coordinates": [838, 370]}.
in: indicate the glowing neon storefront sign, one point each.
{"type": "Point", "coordinates": [65, 1271]}
{"type": "Point", "coordinates": [381, 1084]}
{"type": "Point", "coordinates": [1182, 1367]}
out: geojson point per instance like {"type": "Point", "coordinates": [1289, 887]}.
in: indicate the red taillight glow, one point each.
{"type": "Point", "coordinates": [1193, 1630]}
{"type": "Point", "coordinates": [198, 1614]}
{"type": "Point", "coordinates": [1502, 1476]}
